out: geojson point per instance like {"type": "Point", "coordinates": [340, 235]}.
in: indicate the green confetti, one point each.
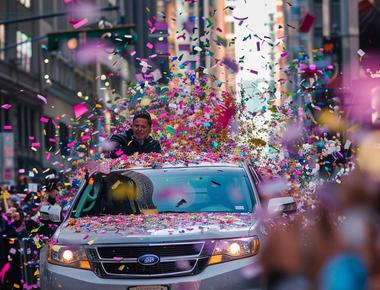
{"type": "Point", "coordinates": [170, 129]}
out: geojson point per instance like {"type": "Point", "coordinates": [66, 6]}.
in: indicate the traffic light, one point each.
{"type": "Point", "coordinates": [328, 45]}
{"type": "Point", "coordinates": [332, 45]}
{"type": "Point", "coordinates": [120, 36]}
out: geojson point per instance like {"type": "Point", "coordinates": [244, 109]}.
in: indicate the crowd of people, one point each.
{"type": "Point", "coordinates": [20, 225]}
{"type": "Point", "coordinates": [336, 246]}
{"type": "Point", "coordinates": [20, 209]}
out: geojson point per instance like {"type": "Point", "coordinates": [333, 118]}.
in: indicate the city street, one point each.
{"type": "Point", "coordinates": [190, 144]}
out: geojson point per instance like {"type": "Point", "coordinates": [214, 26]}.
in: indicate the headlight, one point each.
{"type": "Point", "coordinates": [68, 256]}
{"type": "Point", "coordinates": [227, 250]}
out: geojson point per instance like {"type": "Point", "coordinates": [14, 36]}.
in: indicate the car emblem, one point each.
{"type": "Point", "coordinates": [148, 260]}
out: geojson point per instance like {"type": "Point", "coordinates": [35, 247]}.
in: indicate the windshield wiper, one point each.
{"type": "Point", "coordinates": [215, 183]}
{"type": "Point", "coordinates": [181, 202]}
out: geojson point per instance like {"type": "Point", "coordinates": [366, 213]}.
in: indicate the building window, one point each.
{"type": "Point", "coordinates": [25, 3]}
{"type": "Point", "coordinates": [2, 41]}
{"type": "Point", "coordinates": [50, 140]}
{"type": "Point", "coordinates": [24, 50]}
{"type": "Point", "coordinates": [63, 139]}
{"type": "Point", "coordinates": [5, 119]}
{"type": "Point", "coordinates": [20, 129]}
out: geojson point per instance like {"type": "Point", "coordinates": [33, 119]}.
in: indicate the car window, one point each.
{"type": "Point", "coordinates": [203, 189]}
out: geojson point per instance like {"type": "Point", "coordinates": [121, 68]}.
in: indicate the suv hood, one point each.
{"type": "Point", "coordinates": [154, 228]}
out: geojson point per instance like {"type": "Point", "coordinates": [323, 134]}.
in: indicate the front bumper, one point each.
{"type": "Point", "coordinates": [241, 274]}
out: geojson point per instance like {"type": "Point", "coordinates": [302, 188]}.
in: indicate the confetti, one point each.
{"type": "Point", "coordinates": [6, 267]}
{"type": "Point", "coordinates": [42, 98]}
{"type": "Point", "coordinates": [6, 106]}
{"type": "Point", "coordinates": [231, 64]}
{"type": "Point", "coordinates": [44, 120]}
{"type": "Point", "coordinates": [80, 110]}
{"type": "Point", "coordinates": [307, 22]}
{"type": "Point", "coordinates": [361, 53]}
{"type": "Point", "coordinates": [80, 23]}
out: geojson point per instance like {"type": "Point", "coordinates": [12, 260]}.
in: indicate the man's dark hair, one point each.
{"type": "Point", "coordinates": [143, 115]}
{"type": "Point", "coordinates": [52, 184]}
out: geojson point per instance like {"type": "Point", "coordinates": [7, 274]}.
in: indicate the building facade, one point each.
{"type": "Point", "coordinates": [39, 87]}
{"type": "Point", "coordinates": [347, 30]}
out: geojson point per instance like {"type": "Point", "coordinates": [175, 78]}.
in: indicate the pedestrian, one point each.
{"type": "Point", "coordinates": [281, 259]}
{"type": "Point", "coordinates": [51, 191]}
{"type": "Point", "coordinates": [136, 139]}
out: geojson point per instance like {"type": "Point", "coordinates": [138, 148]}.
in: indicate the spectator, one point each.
{"type": "Point", "coordinates": [52, 191]}
{"type": "Point", "coordinates": [283, 269]}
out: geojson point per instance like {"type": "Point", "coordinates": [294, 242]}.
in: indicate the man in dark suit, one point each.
{"type": "Point", "coordinates": [136, 139]}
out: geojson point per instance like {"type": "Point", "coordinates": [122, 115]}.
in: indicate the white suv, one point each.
{"type": "Point", "coordinates": [190, 227]}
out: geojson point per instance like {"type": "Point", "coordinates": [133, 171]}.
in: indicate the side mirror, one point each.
{"type": "Point", "coordinates": [50, 214]}
{"type": "Point", "coordinates": [282, 205]}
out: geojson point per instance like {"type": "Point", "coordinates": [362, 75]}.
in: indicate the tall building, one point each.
{"type": "Point", "coordinates": [348, 32]}
{"type": "Point", "coordinates": [197, 34]}
{"type": "Point", "coordinates": [201, 35]}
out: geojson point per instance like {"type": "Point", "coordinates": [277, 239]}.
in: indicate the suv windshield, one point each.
{"type": "Point", "coordinates": [192, 189]}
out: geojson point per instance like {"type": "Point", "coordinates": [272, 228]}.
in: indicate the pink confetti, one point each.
{"type": "Point", "coordinates": [80, 23]}
{"type": "Point", "coordinates": [7, 127]}
{"type": "Point", "coordinates": [149, 45]}
{"type": "Point", "coordinates": [307, 22]}
{"type": "Point", "coordinates": [118, 258]}
{"type": "Point", "coordinates": [42, 98]}
{"type": "Point", "coordinates": [4, 270]}
{"type": "Point", "coordinates": [48, 156]}
{"type": "Point", "coordinates": [44, 120]}
{"type": "Point", "coordinates": [84, 138]}
{"type": "Point", "coordinates": [6, 106]}
{"type": "Point", "coordinates": [140, 78]}
{"type": "Point", "coordinates": [36, 145]}
{"type": "Point", "coordinates": [79, 110]}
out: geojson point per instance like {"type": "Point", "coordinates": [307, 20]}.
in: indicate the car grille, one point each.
{"type": "Point", "coordinates": [137, 251]}
{"type": "Point", "coordinates": [121, 261]}
{"type": "Point", "coordinates": [137, 269]}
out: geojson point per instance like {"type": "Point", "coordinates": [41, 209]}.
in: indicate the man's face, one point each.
{"type": "Point", "coordinates": [140, 128]}
{"type": "Point", "coordinates": [53, 193]}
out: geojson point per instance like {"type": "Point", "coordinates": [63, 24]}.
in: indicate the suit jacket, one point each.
{"type": "Point", "coordinates": [129, 145]}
